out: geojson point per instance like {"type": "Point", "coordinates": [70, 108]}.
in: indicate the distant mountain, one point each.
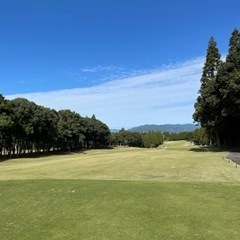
{"type": "Point", "coordinates": [171, 128]}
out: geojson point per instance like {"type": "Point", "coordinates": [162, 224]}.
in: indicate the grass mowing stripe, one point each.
{"type": "Point", "coordinates": [176, 192]}
{"type": "Point", "coordinates": [177, 162]}
{"type": "Point", "coordinates": [91, 209]}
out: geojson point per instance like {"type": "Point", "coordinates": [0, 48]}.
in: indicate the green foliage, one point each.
{"type": "Point", "coordinates": [96, 133]}
{"type": "Point", "coordinates": [207, 106]}
{"type": "Point", "coordinates": [70, 130]}
{"type": "Point", "coordinates": [152, 139]}
{"type": "Point", "coordinates": [217, 108]}
{"type": "Point", "coordinates": [127, 138]}
{"type": "Point", "coordinates": [200, 137]}
{"type": "Point", "coordinates": [178, 136]}
{"type": "Point", "coordinates": [6, 121]}
{"type": "Point", "coordinates": [26, 127]}
{"type": "Point", "coordinates": [136, 139]}
{"type": "Point", "coordinates": [6, 126]}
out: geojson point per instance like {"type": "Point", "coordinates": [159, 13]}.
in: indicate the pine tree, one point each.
{"type": "Point", "coordinates": [218, 105]}
{"type": "Point", "coordinates": [228, 83]}
{"type": "Point", "coordinates": [207, 109]}
{"type": "Point", "coordinates": [233, 74]}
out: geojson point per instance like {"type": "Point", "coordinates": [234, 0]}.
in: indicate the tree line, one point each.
{"type": "Point", "coordinates": [136, 139]}
{"type": "Point", "coordinates": [217, 108]}
{"type": "Point", "coordinates": [197, 137]}
{"type": "Point", "coordinates": [26, 127]}
{"type": "Point", "coordinates": [156, 138]}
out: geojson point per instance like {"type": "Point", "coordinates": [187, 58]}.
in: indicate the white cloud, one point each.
{"type": "Point", "coordinates": [165, 95]}
{"type": "Point", "coordinates": [89, 70]}
{"type": "Point", "coordinates": [100, 69]}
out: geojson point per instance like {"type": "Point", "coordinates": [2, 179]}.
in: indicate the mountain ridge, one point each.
{"type": "Point", "coordinates": [171, 128]}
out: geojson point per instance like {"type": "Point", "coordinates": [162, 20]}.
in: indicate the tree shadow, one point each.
{"type": "Point", "coordinates": [48, 154]}
{"type": "Point", "coordinates": [38, 155]}
{"type": "Point", "coordinates": [208, 149]}
{"type": "Point", "coordinates": [235, 150]}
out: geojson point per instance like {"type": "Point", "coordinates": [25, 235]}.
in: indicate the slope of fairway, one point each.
{"type": "Point", "coordinates": [173, 192]}
{"type": "Point", "coordinates": [173, 162]}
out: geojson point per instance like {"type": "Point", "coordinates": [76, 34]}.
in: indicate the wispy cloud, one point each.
{"type": "Point", "coordinates": [101, 69]}
{"type": "Point", "coordinates": [163, 95]}
{"type": "Point", "coordinates": [89, 70]}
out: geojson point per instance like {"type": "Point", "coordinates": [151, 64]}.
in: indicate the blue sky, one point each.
{"type": "Point", "coordinates": [128, 62]}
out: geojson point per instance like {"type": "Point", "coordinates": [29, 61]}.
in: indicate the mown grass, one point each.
{"type": "Point", "coordinates": [168, 193]}
{"type": "Point", "coordinates": [173, 162]}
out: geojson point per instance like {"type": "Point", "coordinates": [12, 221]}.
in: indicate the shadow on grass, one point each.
{"type": "Point", "coordinates": [48, 154]}
{"type": "Point", "coordinates": [208, 149]}
{"type": "Point", "coordinates": [235, 150]}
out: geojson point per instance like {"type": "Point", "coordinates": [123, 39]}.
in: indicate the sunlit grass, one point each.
{"type": "Point", "coordinates": [174, 192]}
{"type": "Point", "coordinates": [93, 209]}
{"type": "Point", "coordinates": [171, 162]}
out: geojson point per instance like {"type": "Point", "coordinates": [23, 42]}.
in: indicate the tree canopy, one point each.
{"type": "Point", "coordinates": [26, 127]}
{"type": "Point", "coordinates": [217, 108]}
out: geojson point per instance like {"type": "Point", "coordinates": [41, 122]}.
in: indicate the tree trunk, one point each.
{"type": "Point", "coordinates": [217, 138]}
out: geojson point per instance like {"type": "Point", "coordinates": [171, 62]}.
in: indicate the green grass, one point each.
{"type": "Point", "coordinates": [177, 162]}
{"type": "Point", "coordinates": [125, 193]}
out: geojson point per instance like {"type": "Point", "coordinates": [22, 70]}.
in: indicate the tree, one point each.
{"type": "Point", "coordinates": [228, 83]}
{"type": "Point", "coordinates": [24, 111]}
{"type": "Point", "coordinates": [70, 130]}
{"type": "Point", "coordinates": [152, 139]}
{"type": "Point", "coordinates": [218, 106]}
{"type": "Point", "coordinates": [26, 127]}
{"type": "Point", "coordinates": [208, 104]}
{"type": "Point", "coordinates": [44, 128]}
{"type": "Point", "coordinates": [97, 133]}
{"type": "Point", "coordinates": [200, 137]}
{"type": "Point", "coordinates": [6, 126]}
{"type": "Point", "coordinates": [123, 137]}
